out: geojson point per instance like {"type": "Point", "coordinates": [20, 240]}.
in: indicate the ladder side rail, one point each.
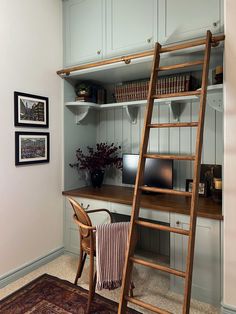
{"type": "Point", "coordinates": [139, 179]}
{"type": "Point", "coordinates": [195, 196]}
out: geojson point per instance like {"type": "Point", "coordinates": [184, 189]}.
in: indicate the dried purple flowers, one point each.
{"type": "Point", "coordinates": [103, 156]}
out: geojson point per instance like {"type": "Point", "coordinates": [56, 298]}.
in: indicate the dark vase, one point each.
{"type": "Point", "coordinates": [97, 178]}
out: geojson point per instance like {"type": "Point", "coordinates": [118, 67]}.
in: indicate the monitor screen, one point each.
{"type": "Point", "coordinates": [158, 172]}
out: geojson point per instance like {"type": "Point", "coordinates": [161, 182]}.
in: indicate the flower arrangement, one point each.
{"type": "Point", "coordinates": [103, 156]}
{"type": "Point", "coordinates": [97, 160]}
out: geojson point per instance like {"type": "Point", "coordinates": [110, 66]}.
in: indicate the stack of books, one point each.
{"type": "Point", "coordinates": [138, 90]}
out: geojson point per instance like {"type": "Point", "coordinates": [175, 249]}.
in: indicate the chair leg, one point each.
{"type": "Point", "coordinates": [131, 288]}
{"type": "Point", "coordinates": [82, 259]}
{"type": "Point", "coordinates": [91, 283]}
{"type": "Point", "coordinates": [94, 284]}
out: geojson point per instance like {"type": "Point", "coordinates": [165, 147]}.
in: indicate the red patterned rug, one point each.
{"type": "Point", "coordinates": [51, 295]}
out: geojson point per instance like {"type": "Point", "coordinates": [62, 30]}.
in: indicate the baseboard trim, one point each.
{"type": "Point", "coordinates": [28, 267]}
{"type": "Point", "coordinates": [227, 309]}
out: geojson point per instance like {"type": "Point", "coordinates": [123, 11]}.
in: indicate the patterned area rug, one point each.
{"type": "Point", "coordinates": [51, 295]}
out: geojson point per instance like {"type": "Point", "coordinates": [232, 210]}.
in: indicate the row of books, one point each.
{"type": "Point", "coordinates": [138, 90]}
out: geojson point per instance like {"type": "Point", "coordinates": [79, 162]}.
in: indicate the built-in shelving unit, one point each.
{"type": "Point", "coordinates": [214, 99]}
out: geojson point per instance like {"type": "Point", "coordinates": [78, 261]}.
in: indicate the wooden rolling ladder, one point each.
{"type": "Point", "coordinates": [130, 259]}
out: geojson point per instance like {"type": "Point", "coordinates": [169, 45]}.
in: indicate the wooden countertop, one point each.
{"type": "Point", "coordinates": [173, 203]}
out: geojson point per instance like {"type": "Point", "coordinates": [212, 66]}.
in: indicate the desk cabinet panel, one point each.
{"type": "Point", "coordinates": [121, 209]}
{"type": "Point", "coordinates": [207, 261]}
{"type": "Point", "coordinates": [144, 213]}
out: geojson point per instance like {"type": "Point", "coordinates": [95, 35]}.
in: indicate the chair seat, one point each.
{"type": "Point", "coordinates": [85, 243]}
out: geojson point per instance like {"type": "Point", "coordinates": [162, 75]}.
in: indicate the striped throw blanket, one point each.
{"type": "Point", "coordinates": [111, 244]}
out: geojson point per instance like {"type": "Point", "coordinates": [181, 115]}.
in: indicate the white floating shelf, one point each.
{"type": "Point", "coordinates": [214, 99]}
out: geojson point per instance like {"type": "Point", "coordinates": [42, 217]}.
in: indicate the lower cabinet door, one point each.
{"type": "Point", "coordinates": [206, 285]}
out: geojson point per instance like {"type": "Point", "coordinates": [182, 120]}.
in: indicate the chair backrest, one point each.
{"type": "Point", "coordinates": [81, 216]}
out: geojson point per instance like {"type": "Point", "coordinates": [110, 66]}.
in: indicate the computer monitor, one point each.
{"type": "Point", "coordinates": [158, 172]}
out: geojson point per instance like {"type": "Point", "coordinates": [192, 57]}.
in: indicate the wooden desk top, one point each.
{"type": "Point", "coordinates": [163, 202]}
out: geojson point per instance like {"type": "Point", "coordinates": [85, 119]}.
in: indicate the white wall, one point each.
{"type": "Point", "coordinates": [230, 156]}
{"type": "Point", "coordinates": [31, 203]}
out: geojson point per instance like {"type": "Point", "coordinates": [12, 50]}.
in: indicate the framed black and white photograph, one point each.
{"type": "Point", "coordinates": [31, 147]}
{"type": "Point", "coordinates": [201, 190]}
{"type": "Point", "coordinates": [31, 110]}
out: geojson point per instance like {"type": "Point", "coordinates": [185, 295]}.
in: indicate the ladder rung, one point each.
{"type": "Point", "coordinates": [158, 267]}
{"type": "Point", "coordinates": [172, 157]}
{"type": "Point", "coordinates": [161, 227]}
{"type": "Point", "coordinates": [147, 306]}
{"type": "Point", "coordinates": [181, 94]}
{"type": "Point", "coordinates": [173, 125]}
{"type": "Point", "coordinates": [180, 65]}
{"type": "Point", "coordinates": [165, 191]}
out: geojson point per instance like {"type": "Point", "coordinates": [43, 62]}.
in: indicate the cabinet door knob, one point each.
{"type": "Point", "coordinates": [214, 24]}
{"type": "Point", "coordinates": [149, 40]}
{"type": "Point", "coordinates": [99, 52]}
{"type": "Point", "coordinates": [177, 222]}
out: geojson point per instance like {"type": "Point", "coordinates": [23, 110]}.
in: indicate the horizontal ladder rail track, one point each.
{"type": "Point", "coordinates": [181, 94]}
{"type": "Point", "coordinates": [171, 157]}
{"type": "Point", "coordinates": [165, 191]}
{"type": "Point", "coordinates": [158, 267]}
{"type": "Point", "coordinates": [173, 125]}
{"type": "Point", "coordinates": [180, 65]}
{"type": "Point", "coordinates": [129, 58]}
{"type": "Point", "coordinates": [147, 306]}
{"type": "Point", "coordinates": [161, 227]}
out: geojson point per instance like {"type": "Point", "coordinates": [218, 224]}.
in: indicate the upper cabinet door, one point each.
{"type": "Point", "coordinates": [185, 19]}
{"type": "Point", "coordinates": [131, 26]}
{"type": "Point", "coordinates": [83, 31]}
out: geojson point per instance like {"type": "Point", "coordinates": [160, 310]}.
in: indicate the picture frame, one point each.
{"type": "Point", "coordinates": [30, 110]}
{"type": "Point", "coordinates": [32, 148]}
{"type": "Point", "coordinates": [201, 190]}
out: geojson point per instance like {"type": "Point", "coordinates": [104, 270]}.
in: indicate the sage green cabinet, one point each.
{"type": "Point", "coordinates": [185, 19]}
{"type": "Point", "coordinates": [83, 31]}
{"type": "Point", "coordinates": [98, 29]}
{"type": "Point", "coordinates": [206, 285]}
{"type": "Point", "coordinates": [131, 26]}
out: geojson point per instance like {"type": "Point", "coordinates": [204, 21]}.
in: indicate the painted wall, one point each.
{"type": "Point", "coordinates": [114, 126]}
{"type": "Point", "coordinates": [230, 156]}
{"type": "Point", "coordinates": [31, 203]}
{"type": "Point", "coordinates": [75, 136]}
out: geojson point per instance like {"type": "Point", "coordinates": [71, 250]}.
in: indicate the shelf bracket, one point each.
{"type": "Point", "coordinates": [132, 113]}
{"type": "Point", "coordinates": [215, 101]}
{"type": "Point", "coordinates": [80, 113]}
